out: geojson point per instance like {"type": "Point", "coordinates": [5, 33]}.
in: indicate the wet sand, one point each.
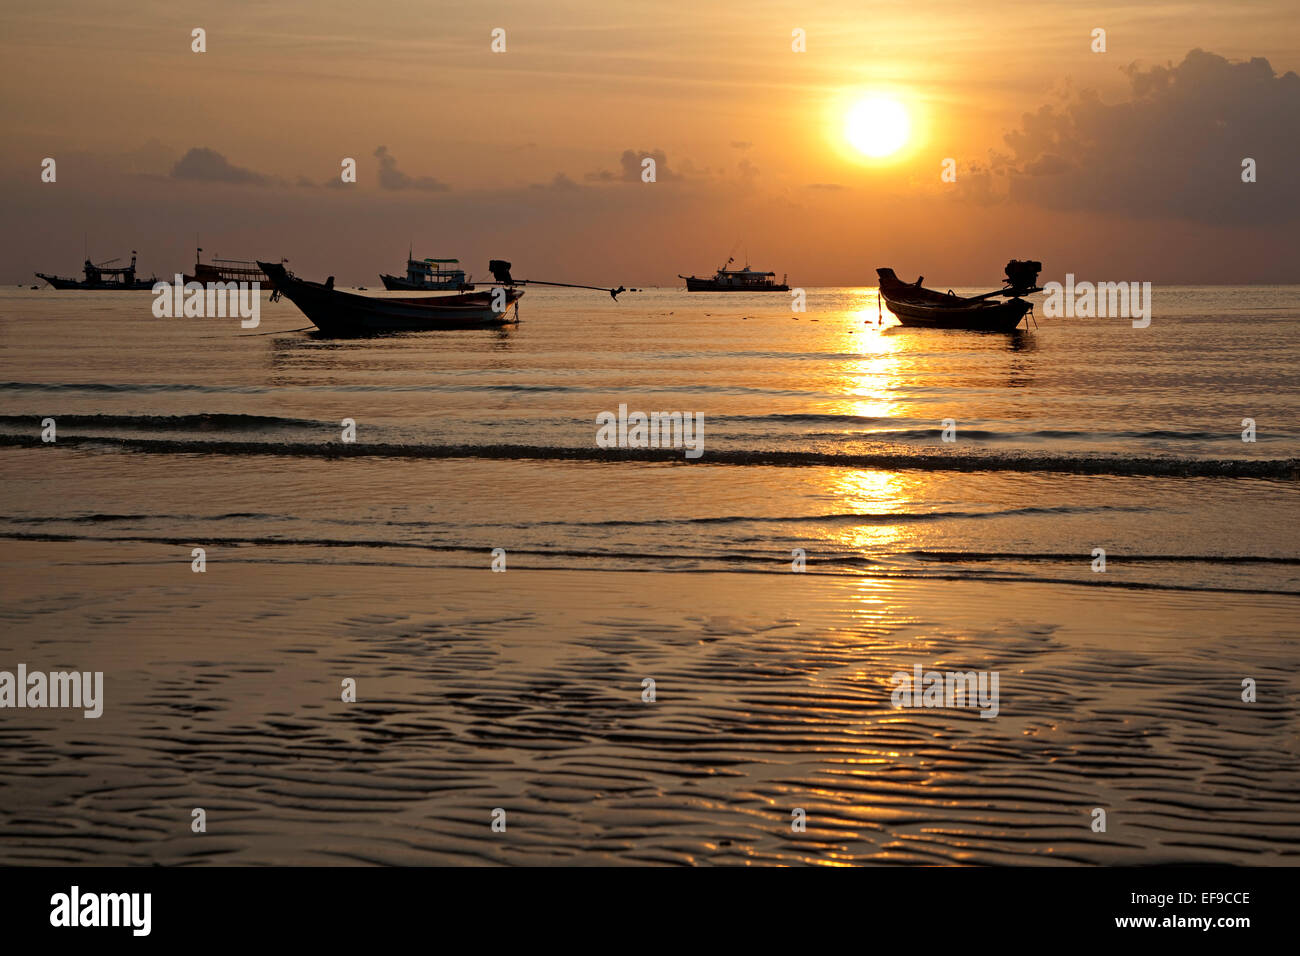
{"type": "Point", "coordinates": [478, 690]}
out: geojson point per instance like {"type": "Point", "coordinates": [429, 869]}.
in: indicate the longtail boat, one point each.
{"type": "Point", "coordinates": [347, 314]}
{"type": "Point", "coordinates": [918, 307]}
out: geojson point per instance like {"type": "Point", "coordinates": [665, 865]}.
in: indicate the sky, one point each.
{"type": "Point", "coordinates": [1118, 165]}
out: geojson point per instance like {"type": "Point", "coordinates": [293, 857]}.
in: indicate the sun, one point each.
{"type": "Point", "coordinates": [877, 126]}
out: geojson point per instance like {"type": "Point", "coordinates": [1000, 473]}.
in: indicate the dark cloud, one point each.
{"type": "Point", "coordinates": [630, 168]}
{"type": "Point", "coordinates": [207, 165]}
{"type": "Point", "coordinates": [1175, 148]}
{"type": "Point", "coordinates": [390, 177]}
{"type": "Point", "coordinates": [741, 144]}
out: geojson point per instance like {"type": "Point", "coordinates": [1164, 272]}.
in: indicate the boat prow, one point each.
{"type": "Point", "coordinates": [347, 314]}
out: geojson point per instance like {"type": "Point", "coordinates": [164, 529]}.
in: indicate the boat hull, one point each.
{"type": "Point", "coordinates": [61, 283]}
{"type": "Point", "coordinates": [694, 284]}
{"type": "Point", "coordinates": [342, 314]}
{"type": "Point", "coordinates": [917, 307]}
{"type": "Point", "coordinates": [987, 317]}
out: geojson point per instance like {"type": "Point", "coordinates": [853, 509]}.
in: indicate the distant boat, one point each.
{"type": "Point", "coordinates": [918, 307]}
{"type": "Point", "coordinates": [227, 270]}
{"type": "Point", "coordinates": [347, 314]}
{"type": "Point", "coordinates": [736, 280]}
{"type": "Point", "coordinates": [100, 279]}
{"type": "Point", "coordinates": [429, 275]}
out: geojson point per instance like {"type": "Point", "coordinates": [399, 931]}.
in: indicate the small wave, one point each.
{"type": "Point", "coordinates": [1168, 467]}
{"type": "Point", "coordinates": [848, 518]}
{"type": "Point", "coordinates": [126, 387]}
{"type": "Point", "coordinates": [97, 518]}
{"type": "Point", "coordinates": [907, 428]}
{"type": "Point", "coordinates": [880, 517]}
{"type": "Point", "coordinates": [215, 420]}
{"type": "Point", "coordinates": [504, 387]}
{"type": "Point", "coordinates": [1112, 557]}
{"type": "Point", "coordinates": [673, 563]}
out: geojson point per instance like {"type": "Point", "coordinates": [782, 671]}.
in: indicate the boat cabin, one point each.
{"type": "Point", "coordinates": [745, 278]}
{"type": "Point", "coordinates": [435, 273]}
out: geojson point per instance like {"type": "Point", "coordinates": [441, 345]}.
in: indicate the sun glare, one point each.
{"type": "Point", "coordinates": [877, 126]}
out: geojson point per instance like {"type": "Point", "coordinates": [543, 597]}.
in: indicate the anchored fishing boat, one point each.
{"type": "Point", "coordinates": [736, 280]}
{"type": "Point", "coordinates": [227, 270]}
{"type": "Point", "coordinates": [347, 314]}
{"type": "Point", "coordinates": [100, 278]}
{"type": "Point", "coordinates": [919, 307]}
{"type": "Point", "coordinates": [429, 275]}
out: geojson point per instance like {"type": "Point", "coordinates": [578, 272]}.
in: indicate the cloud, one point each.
{"type": "Point", "coordinates": [560, 181]}
{"type": "Point", "coordinates": [1174, 149]}
{"type": "Point", "coordinates": [630, 168]}
{"type": "Point", "coordinates": [207, 165]}
{"type": "Point", "coordinates": [741, 144]}
{"type": "Point", "coordinates": [390, 177]}
{"type": "Point", "coordinates": [827, 186]}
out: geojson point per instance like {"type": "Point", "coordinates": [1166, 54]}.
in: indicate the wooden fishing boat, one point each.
{"type": "Point", "coordinates": [100, 279]}
{"type": "Point", "coordinates": [918, 307]}
{"type": "Point", "coordinates": [736, 280]}
{"type": "Point", "coordinates": [347, 314]}
{"type": "Point", "coordinates": [429, 275]}
{"type": "Point", "coordinates": [228, 270]}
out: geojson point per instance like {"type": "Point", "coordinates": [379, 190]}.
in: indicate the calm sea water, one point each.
{"type": "Point", "coordinates": [369, 561]}
{"type": "Point", "coordinates": [822, 431]}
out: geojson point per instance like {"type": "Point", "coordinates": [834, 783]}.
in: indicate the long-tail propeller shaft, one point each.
{"type": "Point", "coordinates": [500, 270]}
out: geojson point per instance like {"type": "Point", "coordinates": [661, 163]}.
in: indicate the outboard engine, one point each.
{"type": "Point", "coordinates": [500, 270]}
{"type": "Point", "coordinates": [1023, 273]}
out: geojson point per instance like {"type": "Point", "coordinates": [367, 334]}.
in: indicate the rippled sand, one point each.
{"type": "Point", "coordinates": [523, 691]}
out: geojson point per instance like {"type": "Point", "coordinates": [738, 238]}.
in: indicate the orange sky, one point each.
{"type": "Point", "coordinates": [518, 154]}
